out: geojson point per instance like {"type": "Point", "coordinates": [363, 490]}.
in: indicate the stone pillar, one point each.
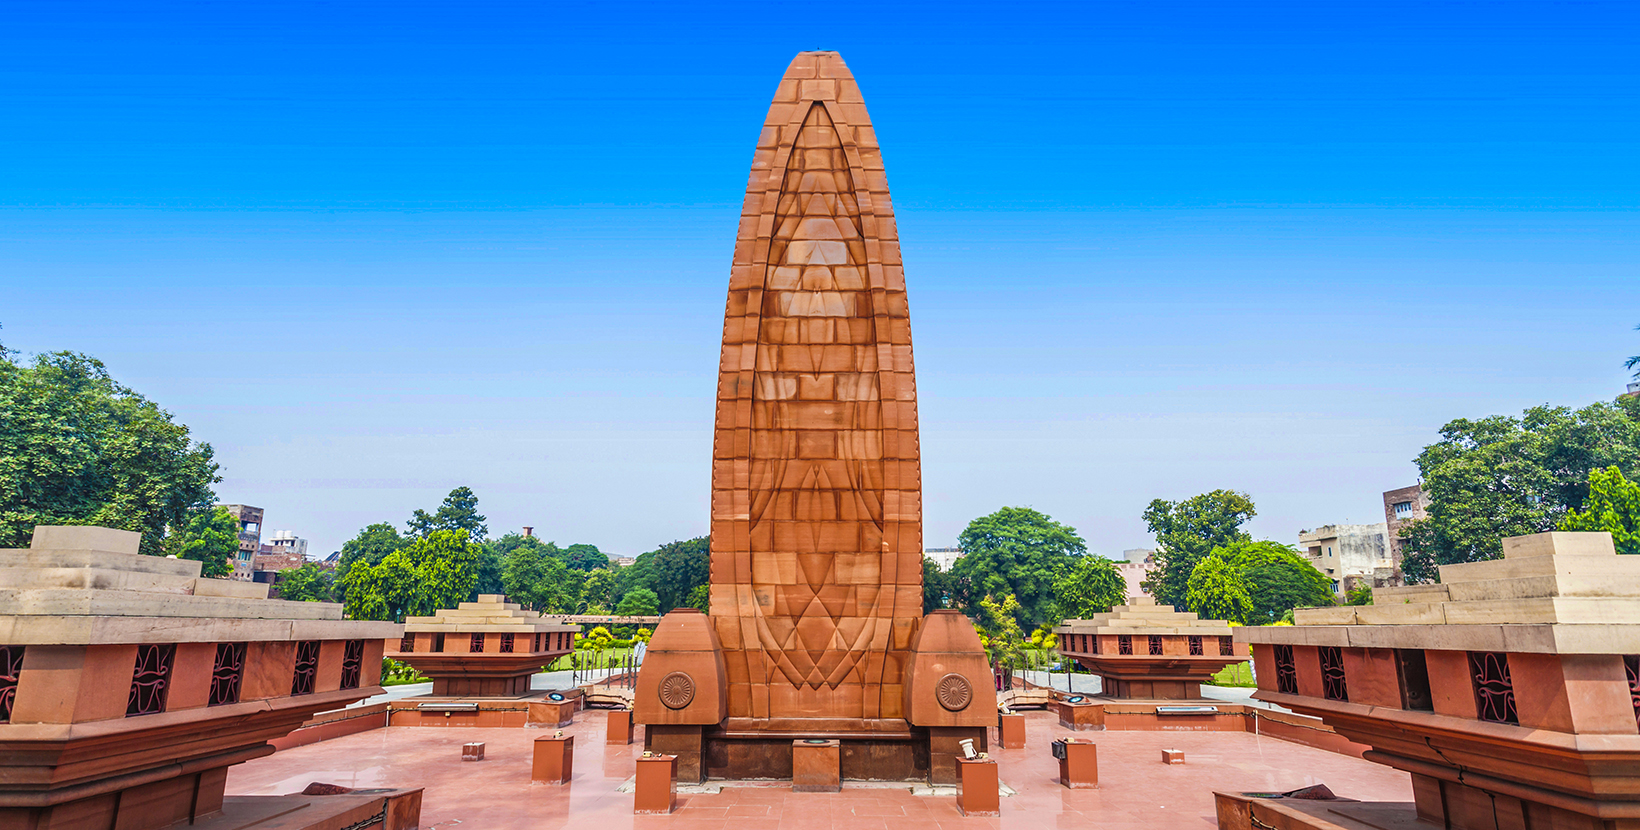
{"type": "Point", "coordinates": [554, 761]}
{"type": "Point", "coordinates": [817, 766]}
{"type": "Point", "coordinates": [977, 787]}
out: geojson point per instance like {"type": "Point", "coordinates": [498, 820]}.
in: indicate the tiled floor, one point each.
{"type": "Point", "coordinates": [1136, 789]}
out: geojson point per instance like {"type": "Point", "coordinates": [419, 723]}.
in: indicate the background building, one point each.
{"type": "Point", "coordinates": [1348, 554]}
{"type": "Point", "coordinates": [250, 539]}
{"type": "Point", "coordinates": [1401, 508]}
{"type": "Point", "coordinates": [1140, 562]}
{"type": "Point", "coordinates": [943, 557]}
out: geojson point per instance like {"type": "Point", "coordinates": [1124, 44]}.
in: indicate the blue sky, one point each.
{"type": "Point", "coordinates": [372, 252]}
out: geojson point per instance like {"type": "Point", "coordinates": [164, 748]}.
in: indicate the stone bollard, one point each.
{"type": "Point", "coordinates": [618, 729]}
{"type": "Point", "coordinates": [656, 786]}
{"type": "Point", "coordinates": [472, 752]}
{"type": "Point", "coordinates": [1172, 756]}
{"type": "Point", "coordinates": [977, 787]}
{"type": "Point", "coordinates": [554, 761]}
{"type": "Point", "coordinates": [1078, 763]}
{"type": "Point", "coordinates": [1011, 730]}
{"type": "Point", "coordinates": [552, 713]}
{"type": "Point", "coordinates": [1078, 712]}
{"type": "Point", "coordinates": [817, 766]}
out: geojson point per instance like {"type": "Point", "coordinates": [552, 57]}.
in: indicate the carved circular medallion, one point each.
{"type": "Point", "coordinates": [677, 690]}
{"type": "Point", "coordinates": [953, 692]}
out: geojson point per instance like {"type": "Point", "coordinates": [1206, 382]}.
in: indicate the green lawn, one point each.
{"type": "Point", "coordinates": [1235, 674]}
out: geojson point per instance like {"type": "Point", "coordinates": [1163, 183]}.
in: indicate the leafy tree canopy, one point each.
{"type": "Point", "coordinates": [210, 536]}
{"type": "Point", "coordinates": [1016, 552]}
{"type": "Point", "coordinates": [458, 512]}
{"type": "Point", "coordinates": [1004, 640]}
{"type": "Point", "coordinates": [598, 592]}
{"type": "Point", "coordinates": [585, 558]}
{"type": "Point", "coordinates": [638, 602]}
{"type": "Point", "coordinates": [1613, 505]}
{"type": "Point", "coordinates": [1217, 590]}
{"type": "Point", "coordinates": [535, 578]}
{"type": "Point", "coordinates": [700, 598]}
{"type": "Point", "coordinates": [308, 583]}
{"type": "Point", "coordinates": [939, 587]}
{"type": "Point", "coordinates": [1361, 594]}
{"type": "Point", "coordinates": [678, 568]}
{"type": "Point", "coordinates": [432, 572]}
{"type": "Point", "coordinates": [1276, 577]}
{"type": "Point", "coordinates": [1091, 585]}
{"type": "Point", "coordinates": [1186, 531]}
{"type": "Point", "coordinates": [1506, 476]}
{"type": "Point", "coordinates": [371, 546]}
{"type": "Point", "coordinates": [77, 448]}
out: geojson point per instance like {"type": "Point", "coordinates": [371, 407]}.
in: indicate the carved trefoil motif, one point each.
{"type": "Point", "coordinates": [150, 679]}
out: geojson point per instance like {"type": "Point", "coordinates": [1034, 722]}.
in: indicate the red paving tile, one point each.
{"type": "Point", "coordinates": [1136, 790]}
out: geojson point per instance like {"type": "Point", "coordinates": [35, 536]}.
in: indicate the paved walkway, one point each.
{"type": "Point", "coordinates": [1136, 789]}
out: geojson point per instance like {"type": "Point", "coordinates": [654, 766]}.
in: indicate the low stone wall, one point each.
{"type": "Point", "coordinates": [335, 724]}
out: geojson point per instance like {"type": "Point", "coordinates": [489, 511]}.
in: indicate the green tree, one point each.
{"type": "Point", "coordinates": [77, 448]}
{"type": "Point", "coordinates": [1276, 577]}
{"type": "Point", "coordinates": [210, 536]}
{"type": "Point", "coordinates": [1613, 505]}
{"type": "Point", "coordinates": [585, 557]}
{"type": "Point", "coordinates": [1634, 362]}
{"type": "Point", "coordinates": [638, 602]}
{"type": "Point", "coordinates": [678, 568]}
{"type": "Point", "coordinates": [1016, 552]}
{"type": "Point", "coordinates": [639, 574]}
{"type": "Point", "coordinates": [999, 622]}
{"type": "Point", "coordinates": [700, 598]}
{"type": "Point", "coordinates": [1186, 531]}
{"type": "Point", "coordinates": [1217, 590]}
{"type": "Point", "coordinates": [458, 512]}
{"type": "Point", "coordinates": [1506, 476]}
{"type": "Point", "coordinates": [308, 583]}
{"type": "Point", "coordinates": [535, 578]}
{"type": "Point", "coordinates": [1091, 585]}
{"type": "Point", "coordinates": [435, 571]}
{"type": "Point", "coordinates": [598, 592]}
{"type": "Point", "coordinates": [1361, 594]}
{"type": "Point", "coordinates": [939, 587]}
{"type": "Point", "coordinates": [371, 546]}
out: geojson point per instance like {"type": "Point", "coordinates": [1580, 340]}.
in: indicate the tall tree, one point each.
{"type": "Point", "coordinates": [1506, 476]}
{"type": "Point", "coordinates": [537, 579]}
{"type": "Point", "coordinates": [1186, 531]}
{"type": "Point", "coordinates": [678, 568]}
{"type": "Point", "coordinates": [210, 536]}
{"type": "Point", "coordinates": [370, 547]}
{"type": "Point", "coordinates": [639, 602]}
{"type": "Point", "coordinates": [433, 572]}
{"type": "Point", "coordinates": [1276, 577]}
{"type": "Point", "coordinates": [458, 512]}
{"type": "Point", "coordinates": [1217, 590]}
{"type": "Point", "coordinates": [1091, 585]}
{"type": "Point", "coordinates": [939, 587]}
{"type": "Point", "coordinates": [308, 583]}
{"type": "Point", "coordinates": [585, 557]}
{"type": "Point", "coordinates": [1016, 552]}
{"type": "Point", "coordinates": [77, 448]}
{"type": "Point", "coordinates": [598, 592]}
{"type": "Point", "coordinates": [1613, 505]}
{"type": "Point", "coordinates": [999, 623]}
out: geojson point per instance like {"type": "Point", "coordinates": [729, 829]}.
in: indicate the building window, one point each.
{"type": "Point", "coordinates": [150, 679]}
{"type": "Point", "coordinates": [1413, 672]}
{"type": "Point", "coordinates": [1124, 644]}
{"type": "Point", "coordinates": [11, 667]}
{"type": "Point", "coordinates": [1155, 644]}
{"type": "Point", "coordinates": [1195, 645]}
{"type": "Point", "coordinates": [1286, 672]}
{"type": "Point", "coordinates": [230, 666]}
{"type": "Point", "coordinates": [407, 643]}
{"type": "Point", "coordinates": [1631, 665]}
{"type": "Point", "coordinates": [1333, 686]}
{"type": "Point", "coordinates": [475, 643]}
{"type": "Point", "coordinates": [352, 663]}
{"type": "Point", "coordinates": [1403, 510]}
{"type": "Point", "coordinates": [307, 668]}
{"type": "Point", "coordinates": [1227, 646]}
{"type": "Point", "coordinates": [506, 644]}
{"type": "Point", "coordinates": [438, 643]}
{"type": "Point", "coordinates": [1494, 693]}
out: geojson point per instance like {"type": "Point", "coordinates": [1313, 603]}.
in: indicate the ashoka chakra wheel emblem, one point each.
{"type": "Point", "coordinates": [677, 689]}
{"type": "Point", "coordinates": [953, 692]}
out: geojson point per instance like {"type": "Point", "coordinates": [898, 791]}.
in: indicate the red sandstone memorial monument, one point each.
{"type": "Point", "coordinates": [480, 656]}
{"type": "Point", "coordinates": [129, 685]}
{"type": "Point", "coordinates": [1509, 691]}
{"type": "Point", "coordinates": [816, 629]}
{"type": "Point", "coordinates": [1145, 651]}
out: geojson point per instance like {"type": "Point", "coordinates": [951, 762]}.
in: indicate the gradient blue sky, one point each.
{"type": "Point", "coordinates": [372, 252]}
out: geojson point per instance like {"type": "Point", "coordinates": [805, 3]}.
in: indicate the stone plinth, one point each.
{"type": "Point", "coordinates": [1078, 764]}
{"type": "Point", "coordinates": [554, 759]}
{"type": "Point", "coordinates": [978, 787]}
{"type": "Point", "coordinates": [1082, 715]}
{"type": "Point", "coordinates": [1011, 731]}
{"type": "Point", "coordinates": [1172, 756]}
{"type": "Point", "coordinates": [817, 766]}
{"type": "Point", "coordinates": [129, 684]}
{"type": "Point", "coordinates": [1149, 652]}
{"type": "Point", "coordinates": [487, 648]}
{"type": "Point", "coordinates": [1510, 685]}
{"type": "Point", "coordinates": [618, 727]}
{"type": "Point", "coordinates": [817, 627]}
{"type": "Point", "coordinates": [553, 713]}
{"type": "Point", "coordinates": [655, 787]}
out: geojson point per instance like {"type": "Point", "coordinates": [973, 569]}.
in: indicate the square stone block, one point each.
{"type": "Point", "coordinates": [473, 751]}
{"type": "Point", "coordinates": [655, 790]}
{"type": "Point", "coordinates": [1079, 768]}
{"type": "Point", "coordinates": [618, 728]}
{"type": "Point", "coordinates": [1081, 717]}
{"type": "Point", "coordinates": [1011, 731]}
{"type": "Point", "coordinates": [817, 766]}
{"type": "Point", "coordinates": [554, 759]}
{"type": "Point", "coordinates": [977, 788]}
{"type": "Point", "coordinates": [1172, 756]}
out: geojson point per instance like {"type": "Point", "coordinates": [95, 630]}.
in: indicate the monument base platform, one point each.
{"type": "Point", "coordinates": [1245, 811]}
{"type": "Point", "coordinates": [735, 752]}
{"type": "Point", "coordinates": [536, 708]}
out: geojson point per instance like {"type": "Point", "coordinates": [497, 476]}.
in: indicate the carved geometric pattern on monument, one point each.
{"type": "Point", "coordinates": [226, 674]}
{"type": "Point", "coordinates": [150, 679]}
{"type": "Point", "coordinates": [352, 663]}
{"type": "Point", "coordinates": [1124, 644]}
{"type": "Point", "coordinates": [816, 485]}
{"type": "Point", "coordinates": [1195, 645]}
{"type": "Point", "coordinates": [1286, 671]}
{"type": "Point", "coordinates": [1333, 685]}
{"type": "Point", "coordinates": [307, 668]}
{"type": "Point", "coordinates": [407, 643]}
{"type": "Point", "coordinates": [1494, 692]}
{"type": "Point", "coordinates": [475, 644]}
{"type": "Point", "coordinates": [1631, 666]}
{"type": "Point", "coordinates": [11, 668]}
{"type": "Point", "coordinates": [1155, 644]}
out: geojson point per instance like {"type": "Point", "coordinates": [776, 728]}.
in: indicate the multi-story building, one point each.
{"type": "Point", "coordinates": [943, 557]}
{"type": "Point", "coordinates": [250, 539]}
{"type": "Point", "coordinates": [1401, 508]}
{"type": "Point", "coordinates": [1348, 554]}
{"type": "Point", "coordinates": [287, 542]}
